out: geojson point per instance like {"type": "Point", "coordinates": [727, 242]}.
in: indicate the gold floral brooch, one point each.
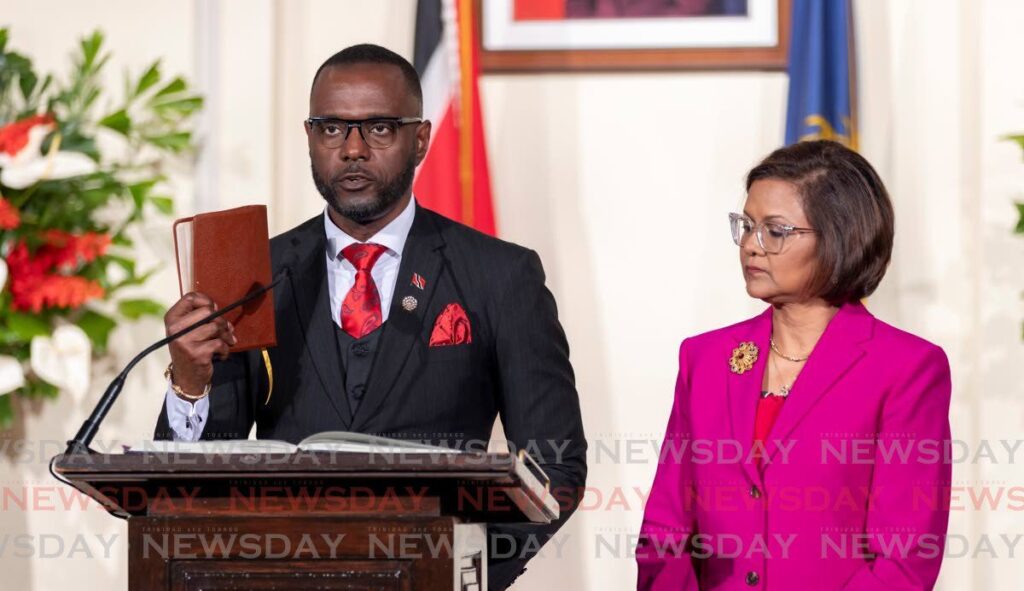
{"type": "Point", "coordinates": [743, 357]}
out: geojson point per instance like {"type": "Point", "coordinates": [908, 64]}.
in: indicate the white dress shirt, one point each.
{"type": "Point", "coordinates": [188, 419]}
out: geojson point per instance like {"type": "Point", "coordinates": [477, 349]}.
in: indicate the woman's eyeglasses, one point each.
{"type": "Point", "coordinates": [770, 235]}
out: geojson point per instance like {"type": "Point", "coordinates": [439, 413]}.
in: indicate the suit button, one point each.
{"type": "Point", "coordinates": [358, 392]}
{"type": "Point", "coordinates": [752, 578]}
{"type": "Point", "coordinates": [755, 492]}
{"type": "Point", "coordinates": [360, 350]}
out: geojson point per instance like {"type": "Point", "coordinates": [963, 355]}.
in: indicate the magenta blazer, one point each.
{"type": "Point", "coordinates": [853, 492]}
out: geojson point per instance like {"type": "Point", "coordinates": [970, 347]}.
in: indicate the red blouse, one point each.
{"type": "Point", "coordinates": [768, 408]}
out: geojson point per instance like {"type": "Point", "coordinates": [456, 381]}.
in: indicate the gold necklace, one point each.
{"type": "Point", "coordinates": [784, 389]}
{"type": "Point", "coordinates": [771, 341]}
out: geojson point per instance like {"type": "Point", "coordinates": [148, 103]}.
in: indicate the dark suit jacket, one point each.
{"type": "Point", "coordinates": [517, 365]}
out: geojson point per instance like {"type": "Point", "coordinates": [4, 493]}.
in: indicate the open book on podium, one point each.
{"type": "Point", "coordinates": [336, 443]}
{"type": "Point", "coordinates": [328, 441]}
{"type": "Point", "coordinates": [224, 255]}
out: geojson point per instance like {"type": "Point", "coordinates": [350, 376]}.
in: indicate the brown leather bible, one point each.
{"type": "Point", "coordinates": [226, 254]}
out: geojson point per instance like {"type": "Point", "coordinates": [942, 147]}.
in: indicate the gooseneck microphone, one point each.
{"type": "Point", "coordinates": [80, 444]}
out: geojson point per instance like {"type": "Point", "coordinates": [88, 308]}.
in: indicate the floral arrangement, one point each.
{"type": "Point", "coordinates": [77, 172]}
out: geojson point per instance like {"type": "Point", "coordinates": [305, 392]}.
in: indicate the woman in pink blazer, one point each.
{"type": "Point", "coordinates": [806, 449]}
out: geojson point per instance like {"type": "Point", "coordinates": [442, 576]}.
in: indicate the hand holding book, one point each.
{"type": "Point", "coordinates": [192, 354]}
{"type": "Point", "coordinates": [222, 256]}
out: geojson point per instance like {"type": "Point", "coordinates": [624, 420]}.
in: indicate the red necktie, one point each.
{"type": "Point", "coordinates": [360, 312]}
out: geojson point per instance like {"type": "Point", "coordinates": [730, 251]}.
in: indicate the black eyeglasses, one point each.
{"type": "Point", "coordinates": [771, 241]}
{"type": "Point", "coordinates": [379, 132]}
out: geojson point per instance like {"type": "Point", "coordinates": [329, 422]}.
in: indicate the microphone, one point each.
{"type": "Point", "coordinates": [80, 444]}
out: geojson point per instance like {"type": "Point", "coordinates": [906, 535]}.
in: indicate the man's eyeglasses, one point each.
{"type": "Point", "coordinates": [770, 235]}
{"type": "Point", "coordinates": [378, 133]}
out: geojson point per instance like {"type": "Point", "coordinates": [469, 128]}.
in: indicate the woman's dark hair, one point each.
{"type": "Point", "coordinates": [846, 202]}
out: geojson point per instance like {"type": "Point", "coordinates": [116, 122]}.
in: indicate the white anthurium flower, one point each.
{"type": "Point", "coordinates": [58, 165]}
{"type": "Point", "coordinates": [12, 376]}
{"type": "Point", "coordinates": [64, 359]}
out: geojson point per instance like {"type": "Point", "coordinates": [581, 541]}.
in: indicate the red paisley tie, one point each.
{"type": "Point", "coordinates": [360, 312]}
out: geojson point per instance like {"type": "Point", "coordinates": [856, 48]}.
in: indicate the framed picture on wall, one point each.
{"type": "Point", "coordinates": [566, 35]}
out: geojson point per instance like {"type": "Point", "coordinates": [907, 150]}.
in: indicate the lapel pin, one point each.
{"type": "Point", "coordinates": [743, 357]}
{"type": "Point", "coordinates": [418, 281]}
{"type": "Point", "coordinates": [409, 303]}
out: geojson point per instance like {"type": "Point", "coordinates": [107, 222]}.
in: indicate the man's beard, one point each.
{"type": "Point", "coordinates": [385, 199]}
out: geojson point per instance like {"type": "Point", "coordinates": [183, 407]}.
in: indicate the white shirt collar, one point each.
{"type": "Point", "coordinates": [391, 236]}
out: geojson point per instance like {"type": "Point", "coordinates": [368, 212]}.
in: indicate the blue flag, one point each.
{"type": "Point", "coordinates": [821, 73]}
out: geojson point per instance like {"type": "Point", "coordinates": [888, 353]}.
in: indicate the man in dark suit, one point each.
{"type": "Point", "coordinates": [394, 320]}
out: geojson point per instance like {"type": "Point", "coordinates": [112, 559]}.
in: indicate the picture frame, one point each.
{"type": "Point", "coordinates": [758, 39]}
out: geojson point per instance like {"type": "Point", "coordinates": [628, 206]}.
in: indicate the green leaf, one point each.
{"type": "Point", "coordinates": [6, 408]}
{"type": "Point", "coordinates": [164, 205]}
{"type": "Point", "coordinates": [174, 86]}
{"type": "Point", "coordinates": [27, 326]}
{"type": "Point", "coordinates": [135, 280]}
{"type": "Point", "coordinates": [27, 82]}
{"type": "Point", "coordinates": [184, 106]}
{"type": "Point", "coordinates": [1020, 218]}
{"type": "Point", "coordinates": [36, 387]}
{"type": "Point", "coordinates": [135, 309]}
{"type": "Point", "coordinates": [1019, 138]}
{"type": "Point", "coordinates": [141, 190]}
{"type": "Point", "coordinates": [118, 121]}
{"type": "Point", "coordinates": [94, 198]}
{"type": "Point", "coordinates": [90, 47]}
{"type": "Point", "coordinates": [9, 337]}
{"type": "Point", "coordinates": [16, 63]}
{"type": "Point", "coordinates": [74, 142]}
{"type": "Point", "coordinates": [45, 85]}
{"type": "Point", "coordinates": [90, 97]}
{"type": "Point", "coordinates": [125, 263]}
{"type": "Point", "coordinates": [148, 79]}
{"type": "Point", "coordinates": [174, 141]}
{"type": "Point", "coordinates": [3, 39]}
{"type": "Point", "coordinates": [98, 327]}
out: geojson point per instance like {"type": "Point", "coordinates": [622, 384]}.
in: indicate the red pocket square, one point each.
{"type": "Point", "coordinates": [451, 327]}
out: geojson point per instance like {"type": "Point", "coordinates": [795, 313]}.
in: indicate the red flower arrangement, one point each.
{"type": "Point", "coordinates": [44, 280]}
{"type": "Point", "coordinates": [67, 214]}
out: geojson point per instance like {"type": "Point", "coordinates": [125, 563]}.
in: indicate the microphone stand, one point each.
{"type": "Point", "coordinates": [80, 444]}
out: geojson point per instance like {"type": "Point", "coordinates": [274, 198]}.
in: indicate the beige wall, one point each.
{"type": "Point", "coordinates": [940, 82]}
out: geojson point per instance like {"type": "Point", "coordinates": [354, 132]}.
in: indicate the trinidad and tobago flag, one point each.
{"type": "Point", "coordinates": [453, 180]}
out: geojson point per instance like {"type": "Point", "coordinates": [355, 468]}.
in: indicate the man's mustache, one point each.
{"type": "Point", "coordinates": [353, 170]}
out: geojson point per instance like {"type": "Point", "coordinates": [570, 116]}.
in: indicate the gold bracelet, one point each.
{"type": "Point", "coordinates": [177, 389]}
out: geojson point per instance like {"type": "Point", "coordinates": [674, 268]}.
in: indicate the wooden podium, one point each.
{"type": "Point", "coordinates": [310, 520]}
